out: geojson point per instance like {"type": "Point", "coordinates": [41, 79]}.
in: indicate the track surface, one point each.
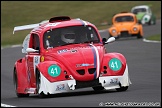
{"type": "Point", "coordinates": [144, 66]}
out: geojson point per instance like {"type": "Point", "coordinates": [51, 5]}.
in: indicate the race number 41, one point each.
{"type": "Point", "coordinates": [115, 64]}
{"type": "Point", "coordinates": [54, 70]}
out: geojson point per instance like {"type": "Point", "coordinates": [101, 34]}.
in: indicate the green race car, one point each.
{"type": "Point", "coordinates": [144, 14]}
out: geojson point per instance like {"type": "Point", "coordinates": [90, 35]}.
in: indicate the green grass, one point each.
{"type": "Point", "coordinates": [154, 37]}
{"type": "Point", "coordinates": [17, 13]}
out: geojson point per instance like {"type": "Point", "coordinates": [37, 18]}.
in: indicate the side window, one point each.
{"type": "Point", "coordinates": [25, 44]}
{"type": "Point", "coordinates": [149, 11]}
{"type": "Point", "coordinates": [34, 42]}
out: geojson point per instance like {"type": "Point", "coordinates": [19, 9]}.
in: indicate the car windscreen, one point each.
{"type": "Point", "coordinates": [124, 19]}
{"type": "Point", "coordinates": [69, 35]}
{"type": "Point", "coordinates": [136, 11]}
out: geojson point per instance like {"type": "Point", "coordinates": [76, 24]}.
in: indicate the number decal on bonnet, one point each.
{"type": "Point", "coordinates": [115, 64]}
{"type": "Point", "coordinates": [54, 70]}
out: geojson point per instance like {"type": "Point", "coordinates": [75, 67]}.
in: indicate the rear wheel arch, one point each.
{"type": "Point", "coordinates": [15, 81]}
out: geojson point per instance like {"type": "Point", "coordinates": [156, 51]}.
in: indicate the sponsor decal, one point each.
{"type": "Point", "coordinates": [36, 59]}
{"type": "Point", "coordinates": [84, 64]}
{"type": "Point", "coordinates": [54, 70]}
{"type": "Point", "coordinates": [73, 50]}
{"type": "Point", "coordinates": [52, 24]}
{"type": "Point", "coordinates": [62, 51]}
{"type": "Point", "coordinates": [60, 87]}
{"type": "Point", "coordinates": [114, 81]}
{"type": "Point", "coordinates": [36, 62]}
{"type": "Point", "coordinates": [115, 64]}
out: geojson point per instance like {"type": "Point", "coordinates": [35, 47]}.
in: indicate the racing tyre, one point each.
{"type": "Point", "coordinates": [139, 35]}
{"type": "Point", "coordinates": [151, 22]}
{"type": "Point", "coordinates": [16, 85]}
{"type": "Point", "coordinates": [110, 35]}
{"type": "Point", "coordinates": [98, 88]}
{"type": "Point", "coordinates": [122, 89]}
{"type": "Point", "coordinates": [41, 95]}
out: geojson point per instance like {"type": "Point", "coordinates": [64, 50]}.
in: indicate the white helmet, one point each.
{"type": "Point", "coordinates": [68, 36]}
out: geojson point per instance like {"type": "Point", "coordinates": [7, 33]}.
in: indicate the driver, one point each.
{"type": "Point", "coordinates": [68, 36]}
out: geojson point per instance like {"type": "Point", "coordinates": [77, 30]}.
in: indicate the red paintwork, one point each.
{"type": "Point", "coordinates": [107, 58]}
{"type": "Point", "coordinates": [67, 60]}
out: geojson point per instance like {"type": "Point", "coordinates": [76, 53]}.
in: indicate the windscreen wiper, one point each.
{"type": "Point", "coordinates": [68, 44]}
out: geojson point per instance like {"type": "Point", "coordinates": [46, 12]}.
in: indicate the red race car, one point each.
{"type": "Point", "coordinates": [64, 54]}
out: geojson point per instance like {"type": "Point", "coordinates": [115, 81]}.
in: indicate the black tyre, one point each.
{"type": "Point", "coordinates": [110, 35]}
{"type": "Point", "coordinates": [16, 85]}
{"type": "Point", "coordinates": [151, 22]}
{"type": "Point", "coordinates": [98, 88]}
{"type": "Point", "coordinates": [38, 81]}
{"type": "Point", "coordinates": [139, 35]}
{"type": "Point", "coordinates": [122, 89]}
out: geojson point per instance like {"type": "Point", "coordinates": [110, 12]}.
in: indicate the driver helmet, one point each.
{"type": "Point", "coordinates": [68, 36]}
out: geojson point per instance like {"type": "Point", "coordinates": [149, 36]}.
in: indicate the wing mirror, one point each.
{"type": "Point", "coordinates": [29, 50]}
{"type": "Point", "coordinates": [109, 40]}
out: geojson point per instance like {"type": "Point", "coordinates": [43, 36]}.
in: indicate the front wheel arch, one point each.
{"type": "Point", "coordinates": [122, 88]}
{"type": "Point", "coordinates": [38, 81]}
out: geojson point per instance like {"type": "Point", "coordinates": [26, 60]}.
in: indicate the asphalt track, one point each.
{"type": "Point", "coordinates": [144, 66]}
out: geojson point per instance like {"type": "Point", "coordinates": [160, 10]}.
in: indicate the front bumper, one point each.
{"type": "Point", "coordinates": [108, 82]}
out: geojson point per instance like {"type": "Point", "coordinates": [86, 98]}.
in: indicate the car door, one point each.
{"type": "Point", "coordinates": [33, 58]}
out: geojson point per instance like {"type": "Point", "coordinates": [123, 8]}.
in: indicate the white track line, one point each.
{"type": "Point", "coordinates": [151, 41]}
{"type": "Point", "coordinates": [5, 105]}
{"type": "Point", "coordinates": [15, 46]}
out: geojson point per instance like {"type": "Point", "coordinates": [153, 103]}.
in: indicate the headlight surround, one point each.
{"type": "Point", "coordinates": [146, 18]}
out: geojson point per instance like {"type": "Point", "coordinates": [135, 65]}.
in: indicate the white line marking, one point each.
{"type": "Point", "coordinates": [13, 46]}
{"type": "Point", "coordinates": [151, 41]}
{"type": "Point", "coordinates": [103, 30]}
{"type": "Point", "coordinates": [5, 105]}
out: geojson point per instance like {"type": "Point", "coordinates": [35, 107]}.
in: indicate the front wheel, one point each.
{"type": "Point", "coordinates": [151, 22]}
{"type": "Point", "coordinates": [98, 88]}
{"type": "Point", "coordinates": [15, 81]}
{"type": "Point", "coordinates": [110, 35]}
{"type": "Point", "coordinates": [38, 82]}
{"type": "Point", "coordinates": [122, 89]}
{"type": "Point", "coordinates": [139, 35]}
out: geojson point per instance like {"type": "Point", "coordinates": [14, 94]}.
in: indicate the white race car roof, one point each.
{"type": "Point", "coordinates": [141, 6]}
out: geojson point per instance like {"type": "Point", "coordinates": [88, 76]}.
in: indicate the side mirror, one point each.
{"type": "Point", "coordinates": [111, 39]}
{"type": "Point", "coordinates": [28, 50]}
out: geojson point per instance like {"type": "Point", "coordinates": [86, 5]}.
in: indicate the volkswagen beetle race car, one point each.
{"type": "Point", "coordinates": [64, 54]}
{"type": "Point", "coordinates": [125, 24]}
{"type": "Point", "coordinates": [144, 14]}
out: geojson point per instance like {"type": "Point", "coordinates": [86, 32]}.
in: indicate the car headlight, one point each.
{"type": "Point", "coordinates": [134, 29]}
{"type": "Point", "coordinates": [113, 31]}
{"type": "Point", "coordinates": [145, 18]}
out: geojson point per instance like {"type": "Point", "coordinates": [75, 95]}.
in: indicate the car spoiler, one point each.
{"type": "Point", "coordinates": [28, 27]}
